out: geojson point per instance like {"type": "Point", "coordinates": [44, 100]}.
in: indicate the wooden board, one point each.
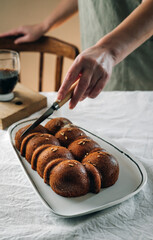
{"type": "Point", "coordinates": [25, 102]}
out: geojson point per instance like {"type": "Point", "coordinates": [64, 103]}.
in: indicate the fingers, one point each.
{"type": "Point", "coordinates": [22, 39]}
{"type": "Point", "coordinates": [79, 69]}
{"type": "Point", "coordinates": [95, 66]}
{"type": "Point", "coordinates": [96, 75]}
{"type": "Point", "coordinates": [14, 32]}
{"type": "Point", "coordinates": [80, 88]}
{"type": "Point", "coordinates": [97, 83]}
{"type": "Point", "coordinates": [72, 75]}
{"type": "Point", "coordinates": [98, 86]}
{"type": "Point", "coordinates": [27, 33]}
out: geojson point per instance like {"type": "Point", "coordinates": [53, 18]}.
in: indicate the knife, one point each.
{"type": "Point", "coordinates": [55, 106]}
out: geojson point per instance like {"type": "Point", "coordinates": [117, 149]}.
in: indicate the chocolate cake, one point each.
{"type": "Point", "coordinates": [68, 160]}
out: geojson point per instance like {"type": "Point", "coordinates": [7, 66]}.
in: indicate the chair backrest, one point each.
{"type": "Point", "coordinates": [44, 45]}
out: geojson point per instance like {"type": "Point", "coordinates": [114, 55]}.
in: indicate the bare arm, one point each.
{"type": "Point", "coordinates": [131, 33]}
{"type": "Point", "coordinates": [96, 63]}
{"type": "Point", "coordinates": [61, 13]}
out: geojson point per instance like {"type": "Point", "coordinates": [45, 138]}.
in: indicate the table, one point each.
{"type": "Point", "coordinates": [126, 118]}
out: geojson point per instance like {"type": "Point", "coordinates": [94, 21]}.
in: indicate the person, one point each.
{"type": "Point", "coordinates": [112, 33]}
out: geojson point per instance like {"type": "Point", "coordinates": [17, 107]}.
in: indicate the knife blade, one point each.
{"type": "Point", "coordinates": [55, 106]}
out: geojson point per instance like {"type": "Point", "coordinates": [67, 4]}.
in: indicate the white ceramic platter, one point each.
{"type": "Point", "coordinates": [132, 178]}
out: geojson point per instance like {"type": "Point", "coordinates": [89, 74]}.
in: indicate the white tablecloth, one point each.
{"type": "Point", "coordinates": [125, 117]}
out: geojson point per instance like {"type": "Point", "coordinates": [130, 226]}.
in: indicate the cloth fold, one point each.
{"type": "Point", "coordinates": [126, 118]}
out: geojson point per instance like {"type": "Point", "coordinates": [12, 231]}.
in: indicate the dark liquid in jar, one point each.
{"type": "Point", "coordinates": [8, 80]}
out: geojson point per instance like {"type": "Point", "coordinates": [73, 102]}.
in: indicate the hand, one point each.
{"type": "Point", "coordinates": [93, 67]}
{"type": "Point", "coordinates": [28, 33]}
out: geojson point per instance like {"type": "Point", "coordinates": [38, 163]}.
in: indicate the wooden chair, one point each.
{"type": "Point", "coordinates": [44, 45]}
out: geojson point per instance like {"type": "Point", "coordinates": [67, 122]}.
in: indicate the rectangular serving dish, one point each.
{"type": "Point", "coordinates": [132, 178]}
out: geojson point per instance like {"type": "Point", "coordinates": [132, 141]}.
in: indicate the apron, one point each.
{"type": "Point", "coordinates": [99, 17]}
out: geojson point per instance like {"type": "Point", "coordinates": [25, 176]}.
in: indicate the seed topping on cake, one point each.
{"type": "Point", "coordinates": [55, 149]}
{"type": "Point", "coordinates": [71, 164]}
{"type": "Point", "coordinates": [83, 142]}
{"type": "Point", "coordinates": [86, 154]}
{"type": "Point", "coordinates": [69, 130]}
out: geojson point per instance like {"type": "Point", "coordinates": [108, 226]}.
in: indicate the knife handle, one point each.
{"type": "Point", "coordinates": [68, 95]}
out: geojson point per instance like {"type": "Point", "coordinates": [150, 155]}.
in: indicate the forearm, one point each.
{"type": "Point", "coordinates": [131, 33]}
{"type": "Point", "coordinates": [61, 13]}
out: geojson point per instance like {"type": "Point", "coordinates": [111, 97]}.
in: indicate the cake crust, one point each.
{"type": "Point", "coordinates": [55, 124]}
{"type": "Point", "coordinates": [70, 162]}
